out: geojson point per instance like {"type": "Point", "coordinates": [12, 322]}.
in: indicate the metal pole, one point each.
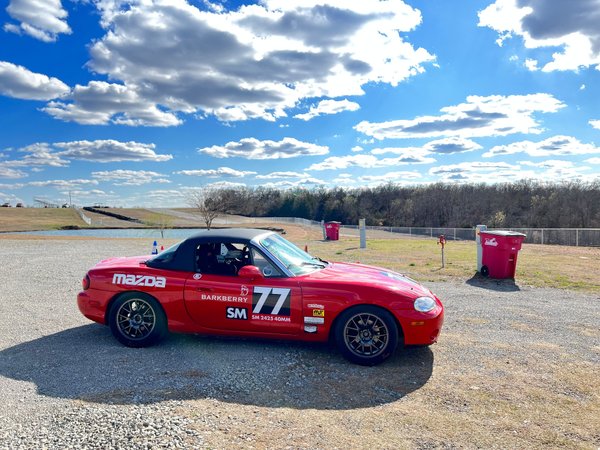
{"type": "Point", "coordinates": [542, 236]}
{"type": "Point", "coordinates": [577, 237]}
{"type": "Point", "coordinates": [363, 233]}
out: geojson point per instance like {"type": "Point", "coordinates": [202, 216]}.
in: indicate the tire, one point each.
{"type": "Point", "coordinates": [137, 320]}
{"type": "Point", "coordinates": [485, 271]}
{"type": "Point", "coordinates": [366, 335]}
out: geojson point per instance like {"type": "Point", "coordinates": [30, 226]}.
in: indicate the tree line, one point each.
{"type": "Point", "coordinates": [521, 204]}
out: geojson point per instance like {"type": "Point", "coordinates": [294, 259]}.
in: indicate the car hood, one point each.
{"type": "Point", "coordinates": [371, 276]}
{"type": "Point", "coordinates": [122, 262]}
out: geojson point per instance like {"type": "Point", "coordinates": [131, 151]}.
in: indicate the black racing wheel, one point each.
{"type": "Point", "coordinates": [136, 319]}
{"type": "Point", "coordinates": [366, 335]}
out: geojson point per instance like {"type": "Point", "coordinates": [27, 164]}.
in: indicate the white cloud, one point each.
{"type": "Point", "coordinates": [582, 87]}
{"type": "Point", "coordinates": [280, 175]}
{"type": "Point", "coordinates": [369, 161]}
{"type": "Point", "coordinates": [300, 183]}
{"type": "Point", "coordinates": [595, 124]}
{"type": "Point", "coordinates": [109, 150]}
{"type": "Point", "coordinates": [557, 170]}
{"type": "Point", "coordinates": [39, 154]}
{"type": "Point", "coordinates": [328, 107]}
{"type": "Point", "coordinates": [357, 148]}
{"type": "Point", "coordinates": [253, 62]}
{"type": "Point", "coordinates": [344, 179]}
{"type": "Point", "coordinates": [479, 172]}
{"type": "Point", "coordinates": [401, 177]}
{"type": "Point", "coordinates": [494, 115]}
{"type": "Point", "coordinates": [593, 161]}
{"type": "Point", "coordinates": [63, 184]}
{"type": "Point", "coordinates": [101, 103]}
{"type": "Point", "coordinates": [88, 193]}
{"type": "Point", "coordinates": [422, 154]}
{"type": "Point", "coordinates": [224, 185]}
{"type": "Point", "coordinates": [41, 19]}
{"type": "Point", "coordinates": [251, 148]}
{"type": "Point", "coordinates": [19, 82]}
{"type": "Point", "coordinates": [214, 173]}
{"type": "Point", "coordinates": [571, 26]}
{"type": "Point", "coordinates": [61, 153]}
{"type": "Point", "coordinates": [7, 172]}
{"type": "Point", "coordinates": [553, 146]}
{"type": "Point", "coordinates": [122, 177]}
{"type": "Point", "coordinates": [11, 198]}
{"type": "Point", "coordinates": [531, 64]}
{"type": "Point", "coordinates": [452, 145]}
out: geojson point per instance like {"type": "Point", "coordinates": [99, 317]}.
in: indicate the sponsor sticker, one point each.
{"type": "Point", "coordinates": [272, 301]}
{"type": "Point", "coordinates": [237, 313]}
{"type": "Point", "coordinates": [314, 320]}
{"type": "Point", "coordinates": [318, 313]}
{"type": "Point", "coordinates": [197, 276]}
{"type": "Point", "coordinates": [315, 305]}
{"type": "Point", "coordinates": [139, 280]}
{"type": "Point", "coordinates": [244, 290]}
{"type": "Point", "coordinates": [224, 298]}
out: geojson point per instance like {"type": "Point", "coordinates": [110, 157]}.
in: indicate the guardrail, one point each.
{"type": "Point", "coordinates": [85, 218]}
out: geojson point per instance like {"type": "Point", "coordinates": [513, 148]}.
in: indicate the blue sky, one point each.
{"type": "Point", "coordinates": [135, 103]}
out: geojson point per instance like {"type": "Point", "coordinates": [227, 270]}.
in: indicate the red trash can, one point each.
{"type": "Point", "coordinates": [500, 250]}
{"type": "Point", "coordinates": [332, 230]}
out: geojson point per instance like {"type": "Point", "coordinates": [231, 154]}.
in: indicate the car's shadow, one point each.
{"type": "Point", "coordinates": [86, 363]}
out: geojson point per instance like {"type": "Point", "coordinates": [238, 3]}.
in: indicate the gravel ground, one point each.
{"type": "Point", "coordinates": [515, 367]}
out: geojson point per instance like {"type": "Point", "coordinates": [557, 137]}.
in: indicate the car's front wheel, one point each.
{"type": "Point", "coordinates": [137, 320]}
{"type": "Point", "coordinates": [366, 335]}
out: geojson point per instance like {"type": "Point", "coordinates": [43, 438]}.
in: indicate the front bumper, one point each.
{"type": "Point", "coordinates": [421, 328]}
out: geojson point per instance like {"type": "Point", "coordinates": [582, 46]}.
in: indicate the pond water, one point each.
{"type": "Point", "coordinates": [152, 233]}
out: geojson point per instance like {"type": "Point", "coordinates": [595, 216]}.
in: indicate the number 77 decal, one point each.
{"type": "Point", "coordinates": [262, 294]}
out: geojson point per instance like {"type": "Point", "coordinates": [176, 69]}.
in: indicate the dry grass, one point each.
{"type": "Point", "coordinates": [30, 219]}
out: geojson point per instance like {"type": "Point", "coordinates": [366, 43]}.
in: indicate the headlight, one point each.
{"type": "Point", "coordinates": [424, 304]}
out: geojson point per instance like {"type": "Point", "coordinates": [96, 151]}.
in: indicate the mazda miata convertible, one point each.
{"type": "Point", "coordinates": [255, 283]}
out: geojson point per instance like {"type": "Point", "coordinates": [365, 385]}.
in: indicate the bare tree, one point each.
{"type": "Point", "coordinates": [205, 200]}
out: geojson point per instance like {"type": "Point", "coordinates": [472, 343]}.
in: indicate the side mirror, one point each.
{"type": "Point", "coordinates": [251, 272]}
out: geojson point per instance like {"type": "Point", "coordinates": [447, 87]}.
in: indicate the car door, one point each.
{"type": "Point", "coordinates": [271, 304]}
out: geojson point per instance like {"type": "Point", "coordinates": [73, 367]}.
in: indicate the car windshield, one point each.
{"type": "Point", "coordinates": [297, 261]}
{"type": "Point", "coordinates": [166, 255]}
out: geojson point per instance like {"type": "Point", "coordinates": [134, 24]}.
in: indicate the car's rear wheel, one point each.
{"type": "Point", "coordinates": [137, 320]}
{"type": "Point", "coordinates": [366, 335]}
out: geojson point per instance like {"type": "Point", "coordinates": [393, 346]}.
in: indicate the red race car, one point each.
{"type": "Point", "coordinates": [255, 283]}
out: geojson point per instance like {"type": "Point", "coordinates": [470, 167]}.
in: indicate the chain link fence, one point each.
{"type": "Point", "coordinates": [578, 237]}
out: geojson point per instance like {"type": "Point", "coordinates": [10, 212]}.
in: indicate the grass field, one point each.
{"type": "Point", "coordinates": [30, 219]}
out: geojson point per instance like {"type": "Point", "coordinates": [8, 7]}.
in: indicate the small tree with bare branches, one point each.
{"type": "Point", "coordinates": [205, 200]}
